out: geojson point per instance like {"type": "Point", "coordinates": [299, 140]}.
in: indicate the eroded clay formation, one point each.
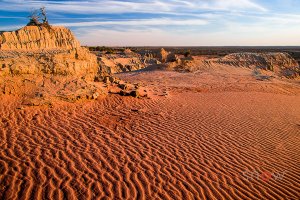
{"type": "Point", "coordinates": [42, 63]}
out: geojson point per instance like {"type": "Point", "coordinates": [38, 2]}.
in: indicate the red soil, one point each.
{"type": "Point", "coordinates": [198, 136]}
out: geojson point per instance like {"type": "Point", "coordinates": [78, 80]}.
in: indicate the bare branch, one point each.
{"type": "Point", "coordinates": [44, 14]}
{"type": "Point", "coordinates": [38, 15]}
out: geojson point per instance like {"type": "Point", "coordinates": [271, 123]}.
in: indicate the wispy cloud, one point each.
{"type": "Point", "coordinates": [237, 4]}
{"type": "Point", "coordinates": [117, 6]}
{"type": "Point", "coordinates": [166, 22]}
{"type": "Point", "coordinates": [148, 22]}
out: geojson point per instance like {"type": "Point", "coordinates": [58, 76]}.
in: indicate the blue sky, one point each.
{"type": "Point", "coordinates": [166, 22]}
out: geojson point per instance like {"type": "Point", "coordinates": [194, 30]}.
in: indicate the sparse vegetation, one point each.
{"type": "Point", "coordinates": [187, 54]}
{"type": "Point", "coordinates": [270, 68]}
{"type": "Point", "coordinates": [38, 18]}
{"type": "Point", "coordinates": [107, 50]}
{"type": "Point", "coordinates": [103, 49]}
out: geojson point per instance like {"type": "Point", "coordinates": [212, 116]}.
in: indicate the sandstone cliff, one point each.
{"type": "Point", "coordinates": [56, 62]}
{"type": "Point", "coordinates": [37, 38]}
{"type": "Point", "coordinates": [40, 50]}
{"type": "Point", "coordinates": [40, 64]}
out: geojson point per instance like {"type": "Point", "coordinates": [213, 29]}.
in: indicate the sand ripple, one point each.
{"type": "Point", "coordinates": [231, 145]}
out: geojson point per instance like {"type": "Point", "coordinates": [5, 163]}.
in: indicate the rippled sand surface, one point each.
{"type": "Point", "coordinates": [198, 136]}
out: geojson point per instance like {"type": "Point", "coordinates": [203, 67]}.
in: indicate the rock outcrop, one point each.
{"type": "Point", "coordinates": [39, 50]}
{"type": "Point", "coordinates": [167, 57]}
{"type": "Point", "coordinates": [41, 64]}
{"type": "Point", "coordinates": [37, 38]}
{"type": "Point", "coordinates": [268, 60]}
{"type": "Point", "coordinates": [281, 64]}
{"type": "Point", "coordinates": [77, 62]}
{"type": "Point", "coordinates": [116, 63]}
{"type": "Point", "coordinates": [163, 55]}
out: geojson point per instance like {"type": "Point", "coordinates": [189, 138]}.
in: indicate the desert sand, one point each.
{"type": "Point", "coordinates": [170, 127]}
{"type": "Point", "coordinates": [198, 136]}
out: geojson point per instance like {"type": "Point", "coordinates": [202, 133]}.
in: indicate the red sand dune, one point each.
{"type": "Point", "coordinates": [198, 136]}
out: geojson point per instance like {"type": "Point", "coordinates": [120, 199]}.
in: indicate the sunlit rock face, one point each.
{"type": "Point", "coordinates": [44, 49]}
{"type": "Point", "coordinates": [38, 38]}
